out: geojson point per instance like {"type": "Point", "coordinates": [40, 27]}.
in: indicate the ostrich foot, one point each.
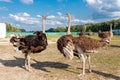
{"type": "Point", "coordinates": [29, 70]}
{"type": "Point", "coordinates": [82, 74]}
{"type": "Point", "coordinates": [90, 70]}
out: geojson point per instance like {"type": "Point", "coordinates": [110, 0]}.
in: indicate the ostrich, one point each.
{"type": "Point", "coordinates": [65, 43]}
{"type": "Point", "coordinates": [82, 46]}
{"type": "Point", "coordinates": [30, 44]}
{"type": "Point", "coordinates": [107, 35]}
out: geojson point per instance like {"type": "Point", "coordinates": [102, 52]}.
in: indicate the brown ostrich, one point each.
{"type": "Point", "coordinates": [30, 44]}
{"type": "Point", "coordinates": [90, 33]}
{"type": "Point", "coordinates": [85, 45]}
{"type": "Point", "coordinates": [107, 35]}
{"type": "Point", "coordinates": [65, 43]}
{"type": "Point", "coordinates": [82, 46]}
{"type": "Point", "coordinates": [81, 34]}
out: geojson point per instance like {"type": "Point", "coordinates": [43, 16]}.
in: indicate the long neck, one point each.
{"type": "Point", "coordinates": [69, 25]}
{"type": "Point", "coordinates": [43, 25]}
{"type": "Point", "coordinates": [111, 33]}
{"type": "Point", "coordinates": [110, 27]}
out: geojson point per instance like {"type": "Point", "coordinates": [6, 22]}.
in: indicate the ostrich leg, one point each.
{"type": "Point", "coordinates": [89, 62]}
{"type": "Point", "coordinates": [83, 60]}
{"type": "Point", "coordinates": [27, 61]}
{"type": "Point", "coordinates": [28, 57]}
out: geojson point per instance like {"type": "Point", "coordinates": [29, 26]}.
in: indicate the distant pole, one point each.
{"type": "Point", "coordinates": [43, 23]}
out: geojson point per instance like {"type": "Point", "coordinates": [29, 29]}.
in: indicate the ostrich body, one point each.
{"type": "Point", "coordinates": [82, 45]}
{"type": "Point", "coordinates": [30, 44]}
{"type": "Point", "coordinates": [65, 46]}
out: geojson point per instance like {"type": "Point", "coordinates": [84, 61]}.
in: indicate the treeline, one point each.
{"type": "Point", "coordinates": [103, 26]}
{"type": "Point", "coordinates": [11, 28]}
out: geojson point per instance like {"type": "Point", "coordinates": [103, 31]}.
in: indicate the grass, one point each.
{"type": "Point", "coordinates": [53, 38]}
{"type": "Point", "coordinates": [105, 64]}
{"type": "Point", "coordinates": [53, 66]}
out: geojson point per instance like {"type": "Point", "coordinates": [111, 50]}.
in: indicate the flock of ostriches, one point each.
{"type": "Point", "coordinates": [68, 45]}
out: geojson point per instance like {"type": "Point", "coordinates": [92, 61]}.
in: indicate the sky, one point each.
{"type": "Point", "coordinates": [26, 14]}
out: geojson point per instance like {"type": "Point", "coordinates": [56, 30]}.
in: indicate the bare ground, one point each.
{"type": "Point", "coordinates": [51, 65]}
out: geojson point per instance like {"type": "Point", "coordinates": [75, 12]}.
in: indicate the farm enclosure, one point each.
{"type": "Point", "coordinates": [51, 65]}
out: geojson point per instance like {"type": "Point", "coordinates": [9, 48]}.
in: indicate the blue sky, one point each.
{"type": "Point", "coordinates": [27, 13]}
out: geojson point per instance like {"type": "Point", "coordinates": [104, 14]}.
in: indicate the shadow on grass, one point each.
{"type": "Point", "coordinates": [42, 65]}
{"type": "Point", "coordinates": [13, 63]}
{"type": "Point", "coordinates": [107, 75]}
{"type": "Point", "coordinates": [116, 46]}
{"type": "Point", "coordinates": [38, 65]}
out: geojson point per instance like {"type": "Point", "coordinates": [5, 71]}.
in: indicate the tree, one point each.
{"type": "Point", "coordinates": [11, 28]}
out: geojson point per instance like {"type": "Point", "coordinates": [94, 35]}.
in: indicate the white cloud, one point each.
{"type": "Point", "coordinates": [24, 18]}
{"type": "Point", "coordinates": [26, 21]}
{"type": "Point", "coordinates": [76, 21]}
{"type": "Point", "coordinates": [27, 1]}
{"type": "Point", "coordinates": [38, 16]}
{"type": "Point", "coordinates": [51, 17]}
{"type": "Point", "coordinates": [59, 13]}
{"type": "Point", "coordinates": [91, 1]}
{"type": "Point", "coordinates": [104, 8]}
{"type": "Point", "coordinates": [26, 14]}
{"type": "Point", "coordinates": [54, 22]}
{"type": "Point", "coordinates": [5, 0]}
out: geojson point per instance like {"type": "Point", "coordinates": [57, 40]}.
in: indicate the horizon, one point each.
{"type": "Point", "coordinates": [26, 14]}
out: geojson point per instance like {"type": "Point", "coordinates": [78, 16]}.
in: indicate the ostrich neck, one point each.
{"type": "Point", "coordinates": [68, 26]}
{"type": "Point", "coordinates": [43, 28]}
{"type": "Point", "coordinates": [110, 27]}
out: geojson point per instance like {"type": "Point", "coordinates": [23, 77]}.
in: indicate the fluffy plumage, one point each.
{"type": "Point", "coordinates": [68, 45]}
{"type": "Point", "coordinates": [65, 45]}
{"type": "Point", "coordinates": [107, 35]}
{"type": "Point", "coordinates": [30, 44]}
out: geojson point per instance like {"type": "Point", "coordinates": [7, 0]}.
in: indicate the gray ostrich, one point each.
{"type": "Point", "coordinates": [82, 46]}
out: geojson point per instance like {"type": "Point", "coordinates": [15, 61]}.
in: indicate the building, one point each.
{"type": "Point", "coordinates": [2, 30]}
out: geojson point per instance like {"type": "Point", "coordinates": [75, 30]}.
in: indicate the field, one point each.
{"type": "Point", "coordinates": [51, 65]}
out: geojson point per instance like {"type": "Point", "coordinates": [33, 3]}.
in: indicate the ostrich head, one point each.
{"type": "Point", "coordinates": [44, 17]}
{"type": "Point", "coordinates": [16, 42]}
{"type": "Point", "coordinates": [67, 14]}
{"type": "Point", "coordinates": [38, 33]}
{"type": "Point", "coordinates": [13, 40]}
